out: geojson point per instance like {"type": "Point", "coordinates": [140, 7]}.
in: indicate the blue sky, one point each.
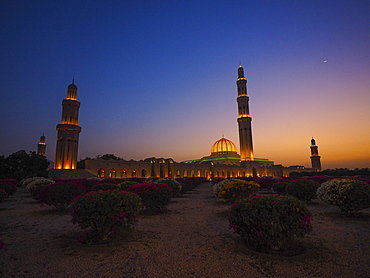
{"type": "Point", "coordinates": [157, 78]}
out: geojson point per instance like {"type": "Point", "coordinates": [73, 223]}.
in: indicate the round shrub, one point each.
{"type": "Point", "coordinates": [188, 183]}
{"type": "Point", "coordinates": [348, 195]}
{"type": "Point", "coordinates": [269, 222]}
{"type": "Point", "coordinates": [265, 183]}
{"type": "Point", "coordinates": [9, 188]}
{"type": "Point", "coordinates": [304, 190]}
{"type": "Point", "coordinates": [24, 182]}
{"type": "Point", "coordinates": [32, 183]}
{"type": "Point", "coordinates": [328, 192]}
{"type": "Point", "coordinates": [13, 182]}
{"type": "Point", "coordinates": [89, 183]}
{"type": "Point", "coordinates": [60, 194]}
{"type": "Point", "coordinates": [233, 189]}
{"type": "Point", "coordinates": [279, 187]}
{"type": "Point", "coordinates": [105, 186]}
{"type": "Point", "coordinates": [36, 190]}
{"type": "Point", "coordinates": [3, 195]}
{"type": "Point", "coordinates": [151, 179]}
{"type": "Point", "coordinates": [109, 180]}
{"type": "Point", "coordinates": [174, 184]}
{"type": "Point", "coordinates": [155, 196]}
{"type": "Point", "coordinates": [105, 211]}
{"type": "Point", "coordinates": [126, 184]}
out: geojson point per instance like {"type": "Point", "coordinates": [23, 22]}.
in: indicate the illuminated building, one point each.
{"type": "Point", "coordinates": [315, 158]}
{"type": "Point", "coordinates": [244, 118]}
{"type": "Point", "coordinates": [68, 132]}
{"type": "Point", "coordinates": [41, 146]}
{"type": "Point", "coordinates": [223, 151]}
{"type": "Point", "coordinates": [224, 161]}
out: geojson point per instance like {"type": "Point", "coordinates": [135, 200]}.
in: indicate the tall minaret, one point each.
{"type": "Point", "coordinates": [315, 158]}
{"type": "Point", "coordinates": [68, 132]}
{"type": "Point", "coordinates": [244, 118]}
{"type": "Point", "coordinates": [41, 147]}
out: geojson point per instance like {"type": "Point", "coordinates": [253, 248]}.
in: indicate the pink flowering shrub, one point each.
{"type": "Point", "coordinates": [269, 222]}
{"type": "Point", "coordinates": [155, 196]}
{"type": "Point", "coordinates": [189, 183]}
{"type": "Point", "coordinates": [104, 186]}
{"type": "Point", "coordinates": [105, 211]}
{"type": "Point", "coordinates": [60, 194]}
{"type": "Point", "coordinates": [2, 245]}
{"type": "Point", "coordinates": [9, 186]}
{"type": "Point", "coordinates": [174, 184]}
{"type": "Point", "coordinates": [279, 187]}
{"type": "Point", "coordinates": [89, 183]}
{"type": "Point", "coordinates": [3, 195]}
{"type": "Point", "coordinates": [303, 189]}
{"type": "Point", "coordinates": [126, 184]}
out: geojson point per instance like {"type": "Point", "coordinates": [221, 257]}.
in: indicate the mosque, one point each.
{"type": "Point", "coordinates": [224, 161]}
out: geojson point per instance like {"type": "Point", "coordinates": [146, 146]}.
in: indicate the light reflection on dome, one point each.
{"type": "Point", "coordinates": [223, 146]}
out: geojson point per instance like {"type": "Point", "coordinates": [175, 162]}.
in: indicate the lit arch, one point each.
{"type": "Point", "coordinates": [133, 173]}
{"type": "Point", "coordinates": [123, 173]}
{"type": "Point", "coordinates": [112, 173]}
{"type": "Point", "coordinates": [101, 173]}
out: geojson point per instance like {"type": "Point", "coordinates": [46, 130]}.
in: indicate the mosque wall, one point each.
{"type": "Point", "coordinates": [161, 167]}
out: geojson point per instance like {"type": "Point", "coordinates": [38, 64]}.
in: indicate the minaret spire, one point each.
{"type": "Point", "coordinates": [41, 146]}
{"type": "Point", "coordinates": [68, 131]}
{"type": "Point", "coordinates": [315, 158]}
{"type": "Point", "coordinates": [244, 118]}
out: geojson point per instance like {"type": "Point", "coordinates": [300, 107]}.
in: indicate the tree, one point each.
{"type": "Point", "coordinates": [21, 165]}
{"type": "Point", "coordinates": [108, 156]}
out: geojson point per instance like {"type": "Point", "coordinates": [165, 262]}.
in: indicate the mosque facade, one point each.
{"type": "Point", "coordinates": [224, 161]}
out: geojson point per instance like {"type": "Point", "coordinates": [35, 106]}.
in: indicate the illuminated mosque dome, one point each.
{"type": "Point", "coordinates": [223, 146]}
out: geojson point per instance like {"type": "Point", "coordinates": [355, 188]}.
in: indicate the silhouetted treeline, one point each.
{"type": "Point", "coordinates": [21, 165]}
{"type": "Point", "coordinates": [335, 172]}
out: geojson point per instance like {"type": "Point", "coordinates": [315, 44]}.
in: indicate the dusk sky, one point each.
{"type": "Point", "coordinates": [157, 78]}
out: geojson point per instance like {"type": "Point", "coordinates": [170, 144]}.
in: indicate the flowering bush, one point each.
{"type": "Point", "coordinates": [279, 187]}
{"type": "Point", "coordinates": [3, 195]}
{"type": "Point", "coordinates": [105, 211]}
{"type": "Point", "coordinates": [31, 183]}
{"type": "Point", "coordinates": [174, 184]}
{"type": "Point", "coordinates": [155, 196]}
{"type": "Point", "coordinates": [126, 184]}
{"type": "Point", "coordinates": [8, 186]}
{"type": "Point", "coordinates": [89, 183]}
{"type": "Point", "coordinates": [2, 244]}
{"type": "Point", "coordinates": [328, 192]}
{"type": "Point", "coordinates": [266, 183]}
{"type": "Point", "coordinates": [109, 180]}
{"type": "Point", "coordinates": [269, 222]}
{"type": "Point", "coordinates": [189, 183]}
{"type": "Point", "coordinates": [104, 186]}
{"type": "Point", "coordinates": [233, 189]}
{"type": "Point", "coordinates": [151, 179]}
{"type": "Point", "coordinates": [348, 195]}
{"type": "Point", "coordinates": [60, 194]}
{"type": "Point", "coordinates": [303, 189]}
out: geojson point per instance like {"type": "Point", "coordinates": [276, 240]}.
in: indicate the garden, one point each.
{"type": "Point", "coordinates": [261, 227]}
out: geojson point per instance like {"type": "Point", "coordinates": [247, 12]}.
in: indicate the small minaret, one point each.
{"type": "Point", "coordinates": [68, 132]}
{"type": "Point", "coordinates": [41, 146]}
{"type": "Point", "coordinates": [315, 158]}
{"type": "Point", "coordinates": [244, 119]}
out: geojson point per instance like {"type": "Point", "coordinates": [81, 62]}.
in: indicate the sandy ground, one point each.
{"type": "Point", "coordinates": [192, 239]}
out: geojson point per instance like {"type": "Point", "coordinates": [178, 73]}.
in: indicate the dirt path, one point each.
{"type": "Point", "coordinates": [191, 240]}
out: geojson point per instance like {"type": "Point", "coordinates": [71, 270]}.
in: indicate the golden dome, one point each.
{"type": "Point", "coordinates": [223, 146]}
